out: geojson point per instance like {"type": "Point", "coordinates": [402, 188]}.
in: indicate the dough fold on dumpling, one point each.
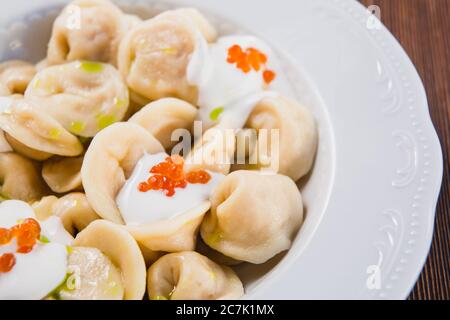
{"type": "Point", "coordinates": [171, 235]}
{"type": "Point", "coordinates": [213, 151]}
{"type": "Point", "coordinates": [36, 133]}
{"type": "Point", "coordinates": [162, 117]}
{"type": "Point", "coordinates": [84, 97]}
{"type": "Point", "coordinates": [253, 216]}
{"type": "Point", "coordinates": [117, 244]}
{"type": "Point", "coordinates": [73, 209]}
{"type": "Point", "coordinates": [20, 178]}
{"type": "Point", "coordinates": [110, 160]}
{"type": "Point", "coordinates": [15, 75]}
{"type": "Point", "coordinates": [191, 276]}
{"type": "Point", "coordinates": [298, 137]}
{"type": "Point", "coordinates": [88, 30]}
{"type": "Point", "coordinates": [63, 174]}
{"type": "Point", "coordinates": [154, 55]}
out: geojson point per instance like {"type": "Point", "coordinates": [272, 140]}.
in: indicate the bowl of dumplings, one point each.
{"type": "Point", "coordinates": [150, 153]}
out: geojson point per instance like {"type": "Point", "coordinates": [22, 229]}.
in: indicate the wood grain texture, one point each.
{"type": "Point", "coordinates": [423, 29]}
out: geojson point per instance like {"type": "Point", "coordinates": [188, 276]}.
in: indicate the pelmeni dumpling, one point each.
{"type": "Point", "coordinates": [162, 117]}
{"type": "Point", "coordinates": [20, 178]}
{"type": "Point", "coordinates": [111, 175]}
{"type": "Point", "coordinates": [15, 76]}
{"type": "Point", "coordinates": [73, 209]}
{"type": "Point", "coordinates": [110, 160]}
{"type": "Point", "coordinates": [191, 276]}
{"type": "Point", "coordinates": [294, 152]}
{"type": "Point", "coordinates": [88, 30]}
{"type": "Point", "coordinates": [253, 216]}
{"type": "Point", "coordinates": [63, 174]}
{"type": "Point", "coordinates": [154, 55]}
{"type": "Point", "coordinates": [35, 134]}
{"type": "Point", "coordinates": [84, 97]}
{"type": "Point", "coordinates": [114, 242]}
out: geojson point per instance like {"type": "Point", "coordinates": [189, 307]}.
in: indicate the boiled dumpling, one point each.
{"type": "Point", "coordinates": [20, 178]}
{"type": "Point", "coordinates": [15, 76]}
{"type": "Point", "coordinates": [191, 276]}
{"type": "Point", "coordinates": [107, 167]}
{"type": "Point", "coordinates": [154, 55]}
{"type": "Point", "coordinates": [161, 118]}
{"type": "Point", "coordinates": [297, 137]}
{"type": "Point", "coordinates": [63, 174]}
{"type": "Point", "coordinates": [109, 161]}
{"type": "Point", "coordinates": [73, 209]}
{"type": "Point", "coordinates": [82, 96]}
{"type": "Point", "coordinates": [106, 264]}
{"type": "Point", "coordinates": [88, 30]}
{"type": "Point", "coordinates": [94, 277]}
{"type": "Point", "coordinates": [253, 216]}
{"type": "Point", "coordinates": [176, 234]}
{"type": "Point", "coordinates": [35, 134]}
{"type": "Point", "coordinates": [23, 149]}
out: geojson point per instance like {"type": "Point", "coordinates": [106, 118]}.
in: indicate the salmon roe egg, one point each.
{"type": "Point", "coordinates": [268, 76]}
{"type": "Point", "coordinates": [249, 59]}
{"type": "Point", "coordinates": [26, 233]}
{"type": "Point", "coordinates": [7, 262]}
{"type": "Point", "coordinates": [169, 175]}
{"type": "Point", "coordinates": [202, 177]}
{"type": "Point", "coordinates": [5, 236]}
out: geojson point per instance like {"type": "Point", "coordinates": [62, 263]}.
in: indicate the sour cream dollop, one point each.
{"type": "Point", "coordinates": [37, 273]}
{"type": "Point", "coordinates": [223, 87]}
{"type": "Point", "coordinates": [139, 208]}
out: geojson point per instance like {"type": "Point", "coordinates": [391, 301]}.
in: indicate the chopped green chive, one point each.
{"type": "Point", "coordinates": [119, 103]}
{"type": "Point", "coordinates": [215, 114]}
{"type": "Point", "coordinates": [91, 67]}
{"type": "Point", "coordinates": [37, 83]}
{"type": "Point", "coordinates": [159, 298]}
{"type": "Point", "coordinates": [77, 127]}
{"type": "Point", "coordinates": [54, 133]}
{"type": "Point", "coordinates": [4, 197]}
{"type": "Point", "coordinates": [44, 239]}
{"type": "Point", "coordinates": [214, 238]}
{"type": "Point", "coordinates": [169, 50]}
{"type": "Point", "coordinates": [69, 249]}
{"type": "Point", "coordinates": [83, 140]}
{"type": "Point", "coordinates": [105, 120]}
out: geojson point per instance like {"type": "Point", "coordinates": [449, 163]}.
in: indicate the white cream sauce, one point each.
{"type": "Point", "coordinates": [222, 85]}
{"type": "Point", "coordinates": [139, 208]}
{"type": "Point", "coordinates": [38, 272]}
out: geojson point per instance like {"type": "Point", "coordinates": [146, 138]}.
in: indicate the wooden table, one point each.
{"type": "Point", "coordinates": [423, 29]}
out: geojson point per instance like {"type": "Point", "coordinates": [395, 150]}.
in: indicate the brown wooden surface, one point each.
{"type": "Point", "coordinates": [423, 29]}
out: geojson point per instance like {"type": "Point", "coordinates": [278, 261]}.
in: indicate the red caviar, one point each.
{"type": "Point", "coordinates": [249, 59]}
{"type": "Point", "coordinates": [7, 262]}
{"type": "Point", "coordinates": [5, 236]}
{"type": "Point", "coordinates": [269, 76]}
{"type": "Point", "coordinates": [169, 175]}
{"type": "Point", "coordinates": [26, 233]}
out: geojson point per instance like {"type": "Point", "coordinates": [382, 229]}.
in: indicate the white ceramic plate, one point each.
{"type": "Point", "coordinates": [371, 197]}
